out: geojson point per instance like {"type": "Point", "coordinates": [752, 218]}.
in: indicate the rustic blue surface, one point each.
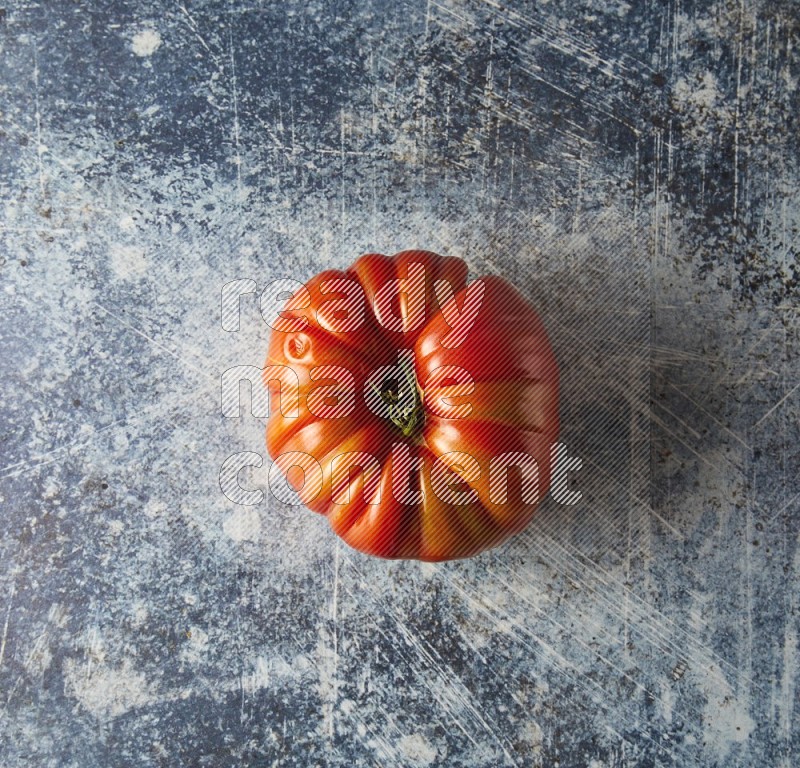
{"type": "Point", "coordinates": [632, 166]}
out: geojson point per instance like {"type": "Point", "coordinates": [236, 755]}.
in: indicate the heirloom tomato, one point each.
{"type": "Point", "coordinates": [415, 411]}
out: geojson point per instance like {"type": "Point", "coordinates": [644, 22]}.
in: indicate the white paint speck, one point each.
{"type": "Point", "coordinates": [417, 749]}
{"type": "Point", "coordinates": [37, 659]}
{"type": "Point", "coordinates": [140, 613]}
{"type": "Point", "coordinates": [243, 525]}
{"type": "Point", "coordinates": [197, 645]}
{"type": "Point", "coordinates": [532, 734]}
{"type": "Point", "coordinates": [259, 678]}
{"type": "Point", "coordinates": [128, 261]}
{"type": "Point", "coordinates": [146, 42]}
{"type": "Point", "coordinates": [51, 489]}
{"type": "Point", "coordinates": [155, 508]}
{"type": "Point", "coordinates": [726, 720]}
{"type": "Point", "coordinates": [702, 93]}
{"type": "Point", "coordinates": [666, 701]}
{"type": "Point", "coordinates": [107, 692]}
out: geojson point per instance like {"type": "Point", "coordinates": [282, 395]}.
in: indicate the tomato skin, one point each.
{"type": "Point", "coordinates": [408, 502]}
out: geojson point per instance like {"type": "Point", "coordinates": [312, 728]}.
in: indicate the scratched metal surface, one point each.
{"type": "Point", "coordinates": [632, 166]}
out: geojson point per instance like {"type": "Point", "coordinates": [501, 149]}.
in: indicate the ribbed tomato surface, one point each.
{"type": "Point", "coordinates": [424, 411]}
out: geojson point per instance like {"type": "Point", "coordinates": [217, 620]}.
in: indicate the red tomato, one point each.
{"type": "Point", "coordinates": [422, 418]}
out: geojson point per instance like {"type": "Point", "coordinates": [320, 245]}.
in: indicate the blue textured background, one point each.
{"type": "Point", "coordinates": [632, 166]}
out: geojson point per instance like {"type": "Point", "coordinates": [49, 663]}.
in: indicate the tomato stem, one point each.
{"type": "Point", "coordinates": [404, 400]}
